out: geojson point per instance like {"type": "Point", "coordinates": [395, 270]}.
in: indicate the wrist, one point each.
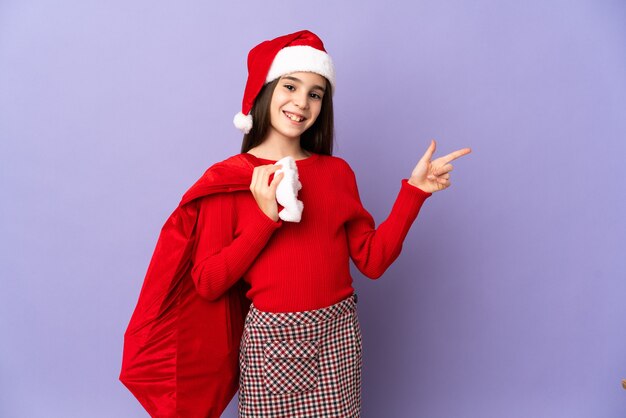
{"type": "Point", "coordinates": [416, 184]}
{"type": "Point", "coordinates": [421, 186]}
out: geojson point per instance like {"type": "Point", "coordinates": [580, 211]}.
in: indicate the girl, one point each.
{"type": "Point", "coordinates": [237, 298]}
{"type": "Point", "coordinates": [300, 353]}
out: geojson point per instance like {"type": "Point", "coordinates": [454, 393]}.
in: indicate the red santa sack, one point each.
{"type": "Point", "coordinates": [180, 356]}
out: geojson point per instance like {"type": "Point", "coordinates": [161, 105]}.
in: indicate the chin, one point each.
{"type": "Point", "coordinates": [292, 133]}
{"type": "Point", "coordinates": [294, 136]}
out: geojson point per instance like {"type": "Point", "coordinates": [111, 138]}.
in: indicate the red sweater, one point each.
{"type": "Point", "coordinates": [297, 266]}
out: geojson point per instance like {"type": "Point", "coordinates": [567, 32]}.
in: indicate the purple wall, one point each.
{"type": "Point", "coordinates": [508, 299]}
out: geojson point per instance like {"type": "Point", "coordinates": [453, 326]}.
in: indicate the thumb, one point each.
{"type": "Point", "coordinates": [430, 151]}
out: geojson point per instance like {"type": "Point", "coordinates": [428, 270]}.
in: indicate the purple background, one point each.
{"type": "Point", "coordinates": [508, 299]}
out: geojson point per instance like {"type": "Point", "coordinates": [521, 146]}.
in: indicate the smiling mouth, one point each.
{"type": "Point", "coordinates": [294, 117]}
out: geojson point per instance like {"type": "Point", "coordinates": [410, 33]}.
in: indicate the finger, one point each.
{"type": "Point", "coordinates": [276, 168]}
{"type": "Point", "coordinates": [430, 151]}
{"type": "Point", "coordinates": [434, 177]}
{"type": "Point", "coordinates": [438, 171]}
{"type": "Point", "coordinates": [255, 178]}
{"type": "Point", "coordinates": [265, 175]}
{"type": "Point", "coordinates": [271, 169]}
{"type": "Point", "coordinates": [276, 180]}
{"type": "Point", "coordinates": [456, 154]}
{"type": "Point", "coordinates": [261, 173]}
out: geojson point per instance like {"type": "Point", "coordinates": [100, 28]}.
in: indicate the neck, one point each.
{"type": "Point", "coordinates": [276, 147]}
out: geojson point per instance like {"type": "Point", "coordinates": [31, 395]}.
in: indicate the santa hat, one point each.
{"type": "Point", "coordinates": [269, 60]}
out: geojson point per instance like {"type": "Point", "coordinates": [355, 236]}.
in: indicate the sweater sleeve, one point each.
{"type": "Point", "coordinates": [219, 261]}
{"type": "Point", "coordinates": [374, 250]}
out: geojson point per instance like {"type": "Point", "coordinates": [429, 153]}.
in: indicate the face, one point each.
{"type": "Point", "coordinates": [296, 103]}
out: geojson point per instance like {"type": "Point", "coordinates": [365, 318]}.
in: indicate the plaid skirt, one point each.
{"type": "Point", "coordinates": [301, 364]}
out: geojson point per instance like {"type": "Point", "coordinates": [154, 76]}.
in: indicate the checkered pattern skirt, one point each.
{"type": "Point", "coordinates": [301, 364]}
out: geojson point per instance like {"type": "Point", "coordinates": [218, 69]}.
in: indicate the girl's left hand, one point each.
{"type": "Point", "coordinates": [432, 176]}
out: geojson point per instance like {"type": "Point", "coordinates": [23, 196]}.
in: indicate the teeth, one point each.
{"type": "Point", "coordinates": [294, 117]}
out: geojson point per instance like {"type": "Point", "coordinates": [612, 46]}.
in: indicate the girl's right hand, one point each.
{"type": "Point", "coordinates": [264, 194]}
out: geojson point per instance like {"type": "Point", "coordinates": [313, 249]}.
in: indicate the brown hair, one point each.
{"type": "Point", "coordinates": [318, 138]}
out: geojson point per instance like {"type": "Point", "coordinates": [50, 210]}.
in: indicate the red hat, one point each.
{"type": "Point", "coordinates": [299, 51]}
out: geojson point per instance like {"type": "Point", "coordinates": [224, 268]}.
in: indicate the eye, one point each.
{"type": "Point", "coordinates": [316, 96]}
{"type": "Point", "coordinates": [289, 87]}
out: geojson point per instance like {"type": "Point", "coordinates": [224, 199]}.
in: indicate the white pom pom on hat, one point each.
{"type": "Point", "coordinates": [298, 51]}
{"type": "Point", "coordinates": [243, 122]}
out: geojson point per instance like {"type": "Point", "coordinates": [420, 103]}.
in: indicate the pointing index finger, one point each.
{"type": "Point", "coordinates": [456, 154]}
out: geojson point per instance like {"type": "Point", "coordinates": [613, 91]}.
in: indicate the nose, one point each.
{"type": "Point", "coordinates": [301, 101]}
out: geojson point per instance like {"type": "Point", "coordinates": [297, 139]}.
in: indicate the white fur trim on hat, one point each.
{"type": "Point", "coordinates": [292, 59]}
{"type": "Point", "coordinates": [243, 122]}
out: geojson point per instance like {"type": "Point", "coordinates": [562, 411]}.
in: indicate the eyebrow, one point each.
{"type": "Point", "coordinates": [300, 81]}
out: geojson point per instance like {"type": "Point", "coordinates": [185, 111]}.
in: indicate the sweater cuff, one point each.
{"type": "Point", "coordinates": [415, 190]}
{"type": "Point", "coordinates": [409, 202]}
{"type": "Point", "coordinates": [258, 230]}
{"type": "Point", "coordinates": [261, 223]}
